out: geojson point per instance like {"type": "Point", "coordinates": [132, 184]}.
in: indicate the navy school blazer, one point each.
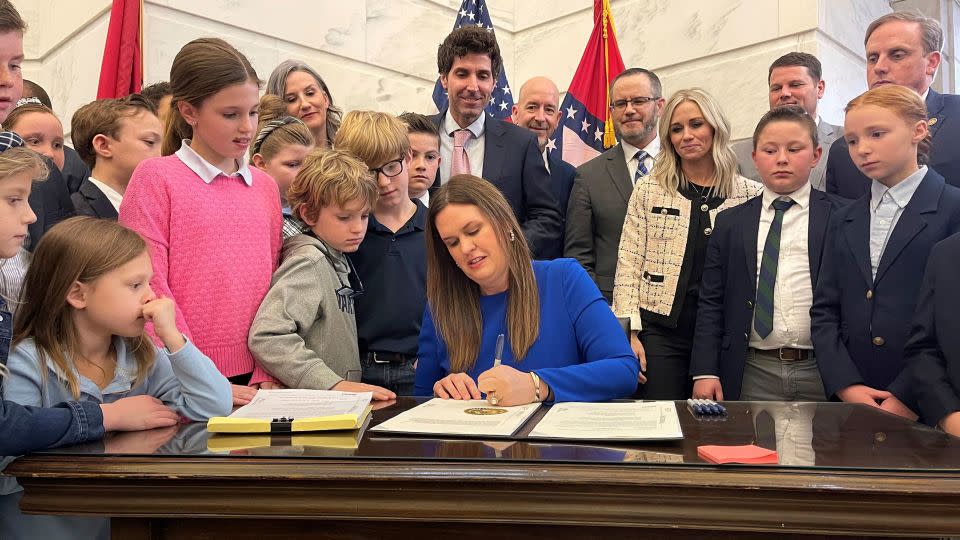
{"type": "Point", "coordinates": [512, 161]}
{"type": "Point", "coordinates": [933, 351]}
{"type": "Point", "coordinates": [728, 288]}
{"type": "Point", "coordinates": [860, 323]}
{"type": "Point", "coordinates": [90, 201]}
{"type": "Point", "coordinates": [843, 178]}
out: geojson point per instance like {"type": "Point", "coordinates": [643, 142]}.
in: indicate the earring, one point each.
{"type": "Point", "coordinates": [513, 237]}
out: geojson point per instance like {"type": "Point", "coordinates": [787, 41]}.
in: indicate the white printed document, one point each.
{"type": "Point", "coordinates": [299, 403]}
{"type": "Point", "coordinates": [634, 421]}
{"type": "Point", "coordinates": [455, 417]}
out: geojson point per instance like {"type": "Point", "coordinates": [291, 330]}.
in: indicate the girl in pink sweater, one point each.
{"type": "Point", "coordinates": [212, 222]}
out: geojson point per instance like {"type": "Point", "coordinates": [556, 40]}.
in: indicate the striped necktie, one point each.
{"type": "Point", "coordinates": [641, 157]}
{"type": "Point", "coordinates": [763, 310]}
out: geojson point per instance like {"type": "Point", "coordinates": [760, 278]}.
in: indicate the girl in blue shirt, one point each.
{"type": "Point", "coordinates": [561, 341]}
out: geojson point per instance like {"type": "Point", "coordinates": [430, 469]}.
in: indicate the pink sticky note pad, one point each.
{"type": "Point", "coordinates": [750, 453]}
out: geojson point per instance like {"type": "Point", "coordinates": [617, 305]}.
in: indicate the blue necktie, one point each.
{"type": "Point", "coordinates": [641, 157]}
{"type": "Point", "coordinates": [763, 310]}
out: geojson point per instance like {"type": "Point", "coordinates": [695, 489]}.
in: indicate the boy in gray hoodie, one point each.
{"type": "Point", "coordinates": [305, 332]}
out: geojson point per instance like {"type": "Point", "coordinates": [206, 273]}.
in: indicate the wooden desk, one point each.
{"type": "Point", "coordinates": [855, 471]}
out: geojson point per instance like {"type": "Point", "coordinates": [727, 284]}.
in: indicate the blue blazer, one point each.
{"type": "Point", "coordinates": [933, 351]}
{"type": "Point", "coordinates": [729, 287]}
{"type": "Point", "coordinates": [561, 180]}
{"type": "Point", "coordinates": [90, 201]}
{"type": "Point", "coordinates": [846, 180]}
{"type": "Point", "coordinates": [512, 161]}
{"type": "Point", "coordinates": [861, 324]}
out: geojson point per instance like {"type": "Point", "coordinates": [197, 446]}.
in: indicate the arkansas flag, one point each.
{"type": "Point", "coordinates": [586, 126]}
{"type": "Point", "coordinates": [121, 73]}
{"type": "Point", "coordinates": [475, 13]}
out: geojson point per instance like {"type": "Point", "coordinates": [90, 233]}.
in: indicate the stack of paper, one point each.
{"type": "Point", "coordinates": [278, 411]}
{"type": "Point", "coordinates": [633, 421]}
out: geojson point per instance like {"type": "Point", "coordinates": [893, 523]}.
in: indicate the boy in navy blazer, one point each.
{"type": "Point", "coordinates": [112, 136]}
{"type": "Point", "coordinates": [933, 352]}
{"type": "Point", "coordinates": [753, 324]}
{"type": "Point", "coordinates": [877, 251]}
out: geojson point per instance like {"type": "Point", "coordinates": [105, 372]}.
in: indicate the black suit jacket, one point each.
{"type": "Point", "coordinates": [595, 214]}
{"type": "Point", "coordinates": [512, 161]}
{"type": "Point", "coordinates": [50, 201]}
{"type": "Point", "coordinates": [728, 288]}
{"type": "Point", "coordinates": [861, 323]}
{"type": "Point", "coordinates": [75, 171]}
{"type": "Point", "coordinates": [933, 351]}
{"type": "Point", "coordinates": [846, 180]}
{"type": "Point", "coordinates": [561, 180]}
{"type": "Point", "coordinates": [90, 201]}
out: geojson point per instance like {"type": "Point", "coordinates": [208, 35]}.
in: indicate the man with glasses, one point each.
{"type": "Point", "coordinates": [602, 188]}
{"type": "Point", "coordinates": [794, 79]}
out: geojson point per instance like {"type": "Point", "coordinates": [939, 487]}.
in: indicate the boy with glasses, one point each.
{"type": "Point", "coordinates": [391, 260]}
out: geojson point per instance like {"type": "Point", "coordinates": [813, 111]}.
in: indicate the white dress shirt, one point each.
{"type": "Point", "coordinates": [886, 207]}
{"type": "Point", "coordinates": [629, 151]}
{"type": "Point", "coordinates": [112, 195]}
{"type": "Point", "coordinates": [474, 146]}
{"type": "Point", "coordinates": [793, 291]}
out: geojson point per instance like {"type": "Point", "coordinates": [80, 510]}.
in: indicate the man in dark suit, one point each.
{"type": "Point", "coordinates": [933, 351]}
{"type": "Point", "coordinates": [538, 109]}
{"type": "Point", "coordinates": [602, 187]}
{"type": "Point", "coordinates": [794, 79]}
{"type": "Point", "coordinates": [903, 48]}
{"type": "Point", "coordinates": [471, 142]}
{"type": "Point", "coordinates": [753, 323]}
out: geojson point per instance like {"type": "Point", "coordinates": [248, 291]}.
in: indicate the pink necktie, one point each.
{"type": "Point", "coordinates": [461, 163]}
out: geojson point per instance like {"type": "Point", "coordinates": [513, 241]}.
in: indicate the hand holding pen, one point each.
{"type": "Point", "coordinates": [506, 386]}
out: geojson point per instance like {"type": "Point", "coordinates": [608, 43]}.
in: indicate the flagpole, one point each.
{"type": "Point", "coordinates": [609, 137]}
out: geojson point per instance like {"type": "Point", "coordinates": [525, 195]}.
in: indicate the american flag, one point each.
{"type": "Point", "coordinates": [586, 127]}
{"type": "Point", "coordinates": [475, 13]}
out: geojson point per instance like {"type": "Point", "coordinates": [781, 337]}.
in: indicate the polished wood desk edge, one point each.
{"type": "Point", "coordinates": [494, 501]}
{"type": "Point", "coordinates": [519, 474]}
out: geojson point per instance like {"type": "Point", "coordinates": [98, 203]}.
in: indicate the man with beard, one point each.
{"type": "Point", "coordinates": [471, 142]}
{"type": "Point", "coordinates": [794, 79]}
{"type": "Point", "coordinates": [602, 187]}
{"type": "Point", "coordinates": [538, 109]}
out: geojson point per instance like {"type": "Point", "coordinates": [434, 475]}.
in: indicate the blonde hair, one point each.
{"type": "Point", "coordinates": [667, 168]}
{"type": "Point", "coordinates": [14, 161]}
{"type": "Point", "coordinates": [902, 101]}
{"type": "Point", "coordinates": [454, 299]}
{"type": "Point", "coordinates": [80, 249]}
{"type": "Point", "coordinates": [330, 177]}
{"type": "Point", "coordinates": [374, 137]}
{"type": "Point", "coordinates": [295, 132]}
{"type": "Point", "coordinates": [202, 68]}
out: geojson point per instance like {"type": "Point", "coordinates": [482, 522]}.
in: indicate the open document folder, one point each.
{"type": "Point", "coordinates": [630, 421]}
{"type": "Point", "coordinates": [284, 411]}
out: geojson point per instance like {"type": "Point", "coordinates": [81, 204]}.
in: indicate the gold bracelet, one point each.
{"type": "Point", "coordinates": [536, 385]}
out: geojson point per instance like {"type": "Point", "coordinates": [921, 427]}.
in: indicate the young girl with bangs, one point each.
{"type": "Point", "coordinates": [212, 223]}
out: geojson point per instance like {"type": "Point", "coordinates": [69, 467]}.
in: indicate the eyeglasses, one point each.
{"type": "Point", "coordinates": [390, 169]}
{"type": "Point", "coordinates": [637, 102]}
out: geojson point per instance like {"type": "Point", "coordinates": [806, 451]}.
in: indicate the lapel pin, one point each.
{"type": "Point", "coordinates": [931, 121]}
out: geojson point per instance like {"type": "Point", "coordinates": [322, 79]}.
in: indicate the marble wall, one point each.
{"type": "Point", "coordinates": [381, 54]}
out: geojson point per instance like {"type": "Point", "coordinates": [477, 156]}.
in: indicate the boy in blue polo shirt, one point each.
{"type": "Point", "coordinates": [391, 260]}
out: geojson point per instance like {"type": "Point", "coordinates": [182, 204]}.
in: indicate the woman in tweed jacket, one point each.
{"type": "Point", "coordinates": [663, 247]}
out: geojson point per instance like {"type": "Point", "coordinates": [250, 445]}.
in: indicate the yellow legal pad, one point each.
{"type": "Point", "coordinates": [345, 440]}
{"type": "Point", "coordinates": [226, 424]}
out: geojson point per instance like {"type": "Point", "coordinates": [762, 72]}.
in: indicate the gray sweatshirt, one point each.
{"type": "Point", "coordinates": [305, 334]}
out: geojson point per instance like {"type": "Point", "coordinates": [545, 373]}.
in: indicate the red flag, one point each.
{"type": "Point", "coordinates": [586, 126]}
{"type": "Point", "coordinates": [122, 70]}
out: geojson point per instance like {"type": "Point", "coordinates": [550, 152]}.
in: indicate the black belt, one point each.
{"type": "Point", "coordinates": [389, 357]}
{"type": "Point", "coordinates": [785, 353]}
